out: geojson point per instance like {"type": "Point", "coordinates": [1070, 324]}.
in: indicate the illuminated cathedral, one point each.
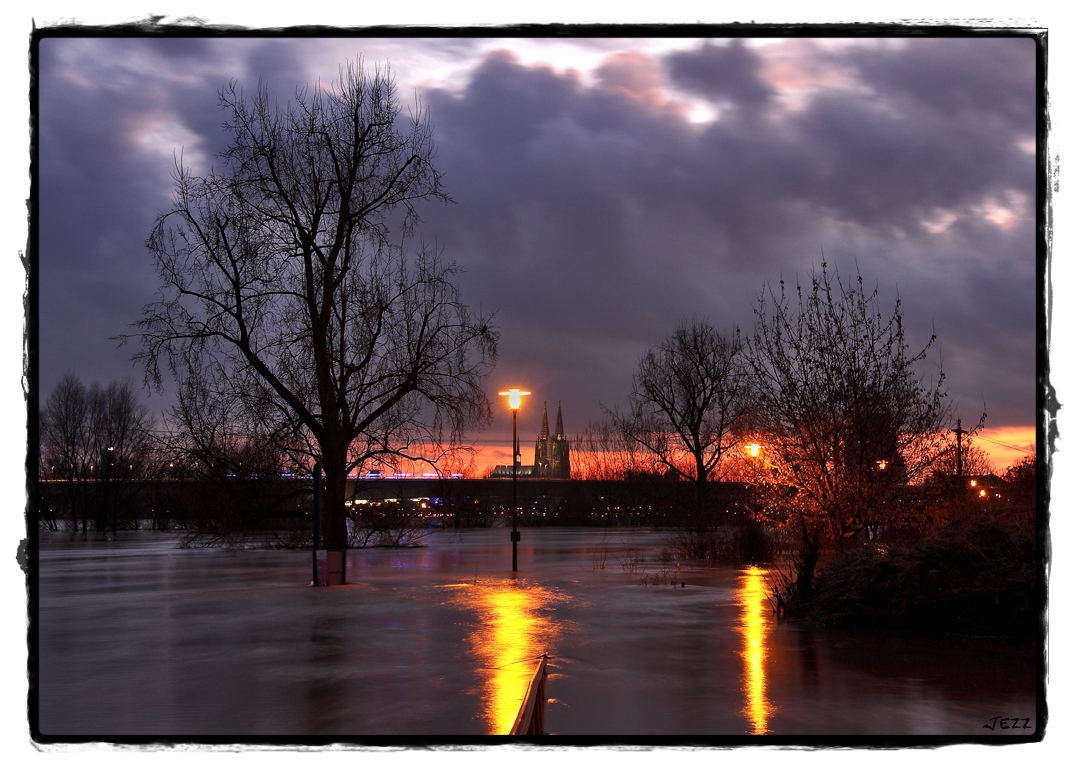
{"type": "Point", "coordinates": [552, 455]}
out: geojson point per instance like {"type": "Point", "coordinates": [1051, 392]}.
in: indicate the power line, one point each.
{"type": "Point", "coordinates": [1027, 450]}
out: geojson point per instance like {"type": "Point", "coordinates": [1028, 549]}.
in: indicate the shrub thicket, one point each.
{"type": "Point", "coordinates": [970, 576]}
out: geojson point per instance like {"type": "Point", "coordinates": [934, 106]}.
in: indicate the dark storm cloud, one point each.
{"type": "Point", "coordinates": [612, 217]}
{"type": "Point", "coordinates": [177, 49]}
{"type": "Point", "coordinates": [105, 174]}
{"type": "Point", "coordinates": [276, 63]}
{"type": "Point", "coordinates": [550, 179]}
{"type": "Point", "coordinates": [92, 221]}
{"type": "Point", "coordinates": [989, 79]}
{"type": "Point", "coordinates": [591, 212]}
{"type": "Point", "coordinates": [729, 72]}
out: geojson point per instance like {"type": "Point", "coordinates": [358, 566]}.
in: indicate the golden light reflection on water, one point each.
{"type": "Point", "coordinates": [513, 629]}
{"type": "Point", "coordinates": [754, 628]}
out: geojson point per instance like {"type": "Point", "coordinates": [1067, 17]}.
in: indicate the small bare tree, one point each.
{"type": "Point", "coordinates": [282, 285]}
{"type": "Point", "coordinates": [686, 405]}
{"type": "Point", "coordinates": [843, 414]}
{"type": "Point", "coordinates": [95, 443]}
{"type": "Point", "coordinates": [685, 412]}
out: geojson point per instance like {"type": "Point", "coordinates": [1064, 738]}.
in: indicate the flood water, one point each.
{"type": "Point", "coordinates": [138, 637]}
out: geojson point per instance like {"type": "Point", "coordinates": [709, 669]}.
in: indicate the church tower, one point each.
{"type": "Point", "coordinates": [559, 458]}
{"type": "Point", "coordinates": [541, 451]}
{"type": "Point", "coordinates": [552, 453]}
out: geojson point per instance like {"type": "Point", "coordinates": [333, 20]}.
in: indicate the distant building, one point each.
{"type": "Point", "coordinates": [551, 455]}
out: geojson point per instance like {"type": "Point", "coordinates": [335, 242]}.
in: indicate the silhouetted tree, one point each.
{"type": "Point", "coordinates": [686, 404]}
{"type": "Point", "coordinates": [844, 415]}
{"type": "Point", "coordinates": [240, 481]}
{"type": "Point", "coordinates": [65, 443]}
{"type": "Point", "coordinates": [283, 288]}
{"type": "Point", "coordinates": [1021, 481]}
{"type": "Point", "coordinates": [686, 409]}
{"type": "Point", "coordinates": [94, 443]}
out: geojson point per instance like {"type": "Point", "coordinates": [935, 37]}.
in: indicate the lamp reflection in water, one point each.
{"type": "Point", "coordinates": [513, 629]}
{"type": "Point", "coordinates": [754, 628]}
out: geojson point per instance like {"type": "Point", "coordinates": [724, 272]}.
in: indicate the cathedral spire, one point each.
{"type": "Point", "coordinates": [540, 450]}
{"type": "Point", "coordinates": [552, 455]}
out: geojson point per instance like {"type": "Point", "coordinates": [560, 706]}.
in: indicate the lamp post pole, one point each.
{"type": "Point", "coordinates": [514, 491]}
{"type": "Point", "coordinates": [514, 401]}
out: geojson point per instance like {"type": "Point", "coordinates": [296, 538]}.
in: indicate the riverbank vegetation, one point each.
{"type": "Point", "coordinates": [976, 569]}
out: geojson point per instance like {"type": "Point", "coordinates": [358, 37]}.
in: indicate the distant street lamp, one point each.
{"type": "Point", "coordinates": [754, 450]}
{"type": "Point", "coordinates": [514, 401]}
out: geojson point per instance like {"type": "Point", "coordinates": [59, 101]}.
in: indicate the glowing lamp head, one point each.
{"type": "Point", "coordinates": [882, 464]}
{"type": "Point", "coordinates": [753, 450]}
{"type": "Point", "coordinates": [514, 397]}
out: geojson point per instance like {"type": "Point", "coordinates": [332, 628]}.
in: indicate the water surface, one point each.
{"type": "Point", "coordinates": [138, 637]}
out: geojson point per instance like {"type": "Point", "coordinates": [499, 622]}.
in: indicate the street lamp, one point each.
{"type": "Point", "coordinates": [754, 451]}
{"type": "Point", "coordinates": [514, 401]}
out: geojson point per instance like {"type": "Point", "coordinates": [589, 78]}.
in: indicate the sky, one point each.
{"type": "Point", "coordinates": [604, 190]}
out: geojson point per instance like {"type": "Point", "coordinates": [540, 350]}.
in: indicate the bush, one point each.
{"type": "Point", "coordinates": [745, 542]}
{"type": "Point", "coordinates": [968, 577]}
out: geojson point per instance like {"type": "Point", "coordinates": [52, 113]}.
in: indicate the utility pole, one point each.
{"type": "Point", "coordinates": [958, 447]}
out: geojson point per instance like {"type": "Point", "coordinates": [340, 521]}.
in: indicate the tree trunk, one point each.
{"type": "Point", "coordinates": [334, 514]}
{"type": "Point", "coordinates": [810, 554]}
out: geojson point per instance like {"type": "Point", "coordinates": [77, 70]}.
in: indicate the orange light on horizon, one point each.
{"type": "Point", "coordinates": [1006, 445]}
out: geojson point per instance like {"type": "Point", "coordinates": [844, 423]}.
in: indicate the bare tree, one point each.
{"type": "Point", "coordinates": [236, 491]}
{"type": "Point", "coordinates": [65, 442]}
{"type": "Point", "coordinates": [843, 414]}
{"type": "Point", "coordinates": [283, 287]}
{"type": "Point", "coordinates": [602, 452]}
{"type": "Point", "coordinates": [686, 405]}
{"type": "Point", "coordinates": [94, 443]}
